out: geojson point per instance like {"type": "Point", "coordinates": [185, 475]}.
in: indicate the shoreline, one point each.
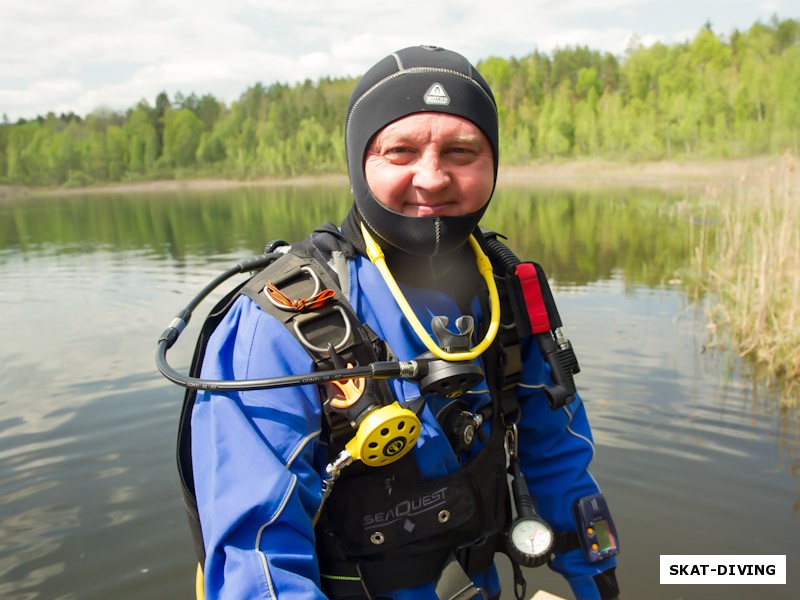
{"type": "Point", "coordinates": [575, 173]}
{"type": "Point", "coordinates": [659, 174]}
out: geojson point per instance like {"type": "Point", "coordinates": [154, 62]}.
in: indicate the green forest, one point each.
{"type": "Point", "coordinates": [716, 96]}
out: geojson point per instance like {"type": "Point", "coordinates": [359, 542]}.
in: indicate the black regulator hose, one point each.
{"type": "Point", "coordinates": [500, 252]}
{"type": "Point", "coordinates": [376, 370]}
{"type": "Point", "coordinates": [181, 319]}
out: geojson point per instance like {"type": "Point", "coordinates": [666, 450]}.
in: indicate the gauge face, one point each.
{"type": "Point", "coordinates": [531, 537]}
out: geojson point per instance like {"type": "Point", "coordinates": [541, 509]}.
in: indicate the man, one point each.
{"type": "Point", "coordinates": [422, 149]}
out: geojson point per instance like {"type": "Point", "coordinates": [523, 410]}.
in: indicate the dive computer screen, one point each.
{"type": "Point", "coordinates": [604, 539]}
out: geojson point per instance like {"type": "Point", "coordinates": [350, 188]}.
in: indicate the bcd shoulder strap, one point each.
{"type": "Point", "coordinates": [535, 313]}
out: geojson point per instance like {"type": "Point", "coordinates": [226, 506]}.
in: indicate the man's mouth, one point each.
{"type": "Point", "coordinates": [428, 210]}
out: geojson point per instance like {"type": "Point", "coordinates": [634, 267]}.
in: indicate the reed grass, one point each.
{"type": "Point", "coordinates": [748, 263]}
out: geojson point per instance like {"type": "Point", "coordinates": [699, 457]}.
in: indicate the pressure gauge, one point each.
{"type": "Point", "coordinates": [530, 541]}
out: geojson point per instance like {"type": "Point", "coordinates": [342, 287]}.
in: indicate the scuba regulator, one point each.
{"type": "Point", "coordinates": [386, 434]}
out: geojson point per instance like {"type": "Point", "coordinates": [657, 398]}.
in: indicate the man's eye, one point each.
{"type": "Point", "coordinates": [399, 154]}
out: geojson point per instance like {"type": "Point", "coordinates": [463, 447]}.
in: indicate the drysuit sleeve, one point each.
{"type": "Point", "coordinates": [556, 448]}
{"type": "Point", "coordinates": [253, 459]}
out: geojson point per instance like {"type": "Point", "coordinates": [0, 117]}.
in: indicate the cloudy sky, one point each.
{"type": "Point", "coordinates": [81, 55]}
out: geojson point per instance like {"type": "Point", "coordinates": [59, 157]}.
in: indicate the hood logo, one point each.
{"type": "Point", "coordinates": [436, 95]}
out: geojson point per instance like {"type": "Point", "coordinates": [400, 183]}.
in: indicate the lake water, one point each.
{"type": "Point", "coordinates": [692, 458]}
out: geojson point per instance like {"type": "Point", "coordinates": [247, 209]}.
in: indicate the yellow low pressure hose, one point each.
{"type": "Point", "coordinates": [377, 257]}
{"type": "Point", "coordinates": [199, 592]}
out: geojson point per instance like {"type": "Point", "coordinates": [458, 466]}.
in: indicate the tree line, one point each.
{"type": "Point", "coordinates": [712, 97]}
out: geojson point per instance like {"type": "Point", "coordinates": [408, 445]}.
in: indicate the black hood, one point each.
{"type": "Point", "coordinates": [414, 80]}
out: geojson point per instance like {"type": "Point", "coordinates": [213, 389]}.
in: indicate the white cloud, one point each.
{"type": "Point", "coordinates": [770, 8]}
{"type": "Point", "coordinates": [64, 55]}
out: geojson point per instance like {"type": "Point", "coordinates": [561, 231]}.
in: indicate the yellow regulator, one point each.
{"type": "Point", "coordinates": [384, 435]}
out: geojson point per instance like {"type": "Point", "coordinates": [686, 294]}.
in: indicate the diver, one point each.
{"type": "Point", "coordinates": [387, 475]}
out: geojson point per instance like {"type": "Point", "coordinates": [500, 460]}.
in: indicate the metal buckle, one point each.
{"type": "Point", "coordinates": [512, 441]}
{"type": "Point", "coordinates": [271, 289]}
{"type": "Point", "coordinates": [312, 317]}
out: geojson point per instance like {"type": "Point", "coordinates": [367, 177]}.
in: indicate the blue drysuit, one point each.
{"type": "Point", "coordinates": [258, 470]}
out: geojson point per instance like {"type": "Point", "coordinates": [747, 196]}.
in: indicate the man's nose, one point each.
{"type": "Point", "coordinates": [430, 173]}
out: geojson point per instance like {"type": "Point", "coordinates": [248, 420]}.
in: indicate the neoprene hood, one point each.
{"type": "Point", "coordinates": [414, 80]}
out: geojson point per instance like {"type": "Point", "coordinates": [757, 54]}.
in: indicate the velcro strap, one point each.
{"type": "Point", "coordinates": [566, 541]}
{"type": "Point", "coordinates": [532, 293]}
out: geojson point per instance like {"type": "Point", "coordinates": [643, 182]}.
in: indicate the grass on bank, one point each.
{"type": "Point", "coordinates": [748, 261]}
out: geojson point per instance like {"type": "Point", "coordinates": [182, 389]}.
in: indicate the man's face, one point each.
{"type": "Point", "coordinates": [430, 164]}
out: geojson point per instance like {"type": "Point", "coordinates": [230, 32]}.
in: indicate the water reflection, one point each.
{"type": "Point", "coordinates": [687, 459]}
{"type": "Point", "coordinates": [581, 236]}
{"type": "Point", "coordinates": [30, 536]}
{"type": "Point", "coordinates": [585, 237]}
{"type": "Point", "coordinates": [92, 498]}
{"type": "Point", "coordinates": [89, 504]}
{"type": "Point", "coordinates": [175, 225]}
